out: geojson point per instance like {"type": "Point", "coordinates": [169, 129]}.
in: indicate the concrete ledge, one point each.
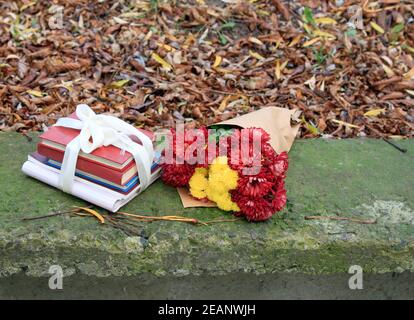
{"type": "Point", "coordinates": [366, 179]}
{"type": "Point", "coordinates": [231, 286]}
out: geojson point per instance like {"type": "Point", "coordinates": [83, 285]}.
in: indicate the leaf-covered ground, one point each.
{"type": "Point", "coordinates": [348, 65]}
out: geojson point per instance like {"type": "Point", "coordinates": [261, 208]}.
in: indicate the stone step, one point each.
{"type": "Point", "coordinates": [365, 179]}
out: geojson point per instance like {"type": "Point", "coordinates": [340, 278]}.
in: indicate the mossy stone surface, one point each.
{"type": "Point", "coordinates": [360, 178]}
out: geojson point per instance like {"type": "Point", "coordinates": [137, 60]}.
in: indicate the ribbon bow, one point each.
{"type": "Point", "coordinates": [103, 130]}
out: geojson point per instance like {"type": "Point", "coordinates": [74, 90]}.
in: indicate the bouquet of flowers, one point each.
{"type": "Point", "coordinates": [236, 168]}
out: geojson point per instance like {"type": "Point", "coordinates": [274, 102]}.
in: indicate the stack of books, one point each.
{"type": "Point", "coordinates": [106, 177]}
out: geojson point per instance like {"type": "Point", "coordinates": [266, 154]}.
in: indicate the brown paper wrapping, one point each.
{"type": "Point", "coordinates": [275, 121]}
{"type": "Point", "coordinates": [191, 202]}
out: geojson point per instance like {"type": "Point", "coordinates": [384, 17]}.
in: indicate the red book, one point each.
{"type": "Point", "coordinates": [92, 167]}
{"type": "Point", "coordinates": [108, 162]}
{"type": "Point", "coordinates": [59, 137]}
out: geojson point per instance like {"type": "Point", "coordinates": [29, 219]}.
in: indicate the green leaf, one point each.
{"type": "Point", "coordinates": [351, 32]}
{"type": "Point", "coordinates": [229, 25]}
{"type": "Point", "coordinates": [308, 15]}
{"type": "Point", "coordinates": [160, 142]}
{"type": "Point", "coordinates": [119, 84]}
{"type": "Point", "coordinates": [397, 28]}
{"type": "Point", "coordinates": [311, 128]}
{"type": "Point", "coordinates": [319, 56]}
{"type": "Point", "coordinates": [154, 5]}
{"type": "Point", "coordinates": [219, 132]}
{"type": "Point", "coordinates": [223, 39]}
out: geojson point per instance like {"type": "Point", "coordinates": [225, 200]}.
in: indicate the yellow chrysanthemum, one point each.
{"type": "Point", "coordinates": [221, 180]}
{"type": "Point", "coordinates": [218, 165]}
{"type": "Point", "coordinates": [223, 200]}
{"type": "Point", "coordinates": [215, 184]}
{"type": "Point", "coordinates": [198, 183]}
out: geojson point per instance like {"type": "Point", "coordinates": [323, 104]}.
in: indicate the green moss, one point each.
{"type": "Point", "coordinates": [367, 179]}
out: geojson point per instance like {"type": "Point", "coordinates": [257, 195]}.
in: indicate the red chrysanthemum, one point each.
{"type": "Point", "coordinates": [279, 195]}
{"type": "Point", "coordinates": [256, 185]}
{"type": "Point", "coordinates": [196, 140]}
{"type": "Point", "coordinates": [269, 155]}
{"type": "Point", "coordinates": [254, 209]}
{"type": "Point", "coordinates": [260, 192]}
{"type": "Point", "coordinates": [177, 175]}
{"type": "Point", "coordinates": [280, 166]}
{"type": "Point", "coordinates": [243, 151]}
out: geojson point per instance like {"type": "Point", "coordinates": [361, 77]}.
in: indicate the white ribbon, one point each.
{"type": "Point", "coordinates": [103, 130]}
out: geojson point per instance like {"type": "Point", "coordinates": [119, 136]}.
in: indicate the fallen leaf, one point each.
{"type": "Point", "coordinates": [28, 5]}
{"type": "Point", "coordinates": [161, 61]}
{"type": "Point", "coordinates": [396, 137]}
{"type": "Point", "coordinates": [409, 75]}
{"type": "Point", "coordinates": [277, 69]}
{"type": "Point", "coordinates": [376, 27]}
{"type": "Point", "coordinates": [37, 94]}
{"type": "Point", "coordinates": [119, 84]}
{"type": "Point", "coordinates": [120, 21]}
{"type": "Point", "coordinates": [311, 82]}
{"type": "Point", "coordinates": [307, 28]}
{"type": "Point", "coordinates": [93, 212]}
{"type": "Point", "coordinates": [374, 112]}
{"type": "Point", "coordinates": [217, 61]}
{"type": "Point", "coordinates": [263, 56]}
{"type": "Point", "coordinates": [388, 71]}
{"type": "Point", "coordinates": [281, 7]}
{"type": "Point", "coordinates": [223, 104]}
{"type": "Point", "coordinates": [397, 28]}
{"type": "Point", "coordinates": [311, 42]}
{"type": "Point", "coordinates": [325, 20]}
{"type": "Point", "coordinates": [323, 34]}
{"type": "Point", "coordinates": [344, 123]}
{"type": "Point", "coordinates": [255, 55]}
{"type": "Point", "coordinates": [295, 41]}
{"type": "Point", "coordinates": [311, 128]}
{"type": "Point", "coordinates": [256, 41]}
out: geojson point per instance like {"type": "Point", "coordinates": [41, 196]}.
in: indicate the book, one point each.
{"type": "Point", "coordinates": [110, 156]}
{"type": "Point", "coordinates": [82, 188]}
{"type": "Point", "coordinates": [120, 182]}
{"type": "Point", "coordinates": [126, 188]}
{"type": "Point", "coordinates": [89, 166]}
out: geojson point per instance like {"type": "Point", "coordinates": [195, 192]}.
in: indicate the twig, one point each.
{"type": "Point", "coordinates": [341, 219]}
{"type": "Point", "coordinates": [125, 221]}
{"type": "Point", "coordinates": [249, 94]}
{"type": "Point", "coordinates": [281, 7]}
{"type": "Point", "coordinates": [162, 218]}
{"type": "Point", "coordinates": [403, 150]}
{"type": "Point", "coordinates": [53, 214]}
{"type": "Point", "coordinates": [124, 229]}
